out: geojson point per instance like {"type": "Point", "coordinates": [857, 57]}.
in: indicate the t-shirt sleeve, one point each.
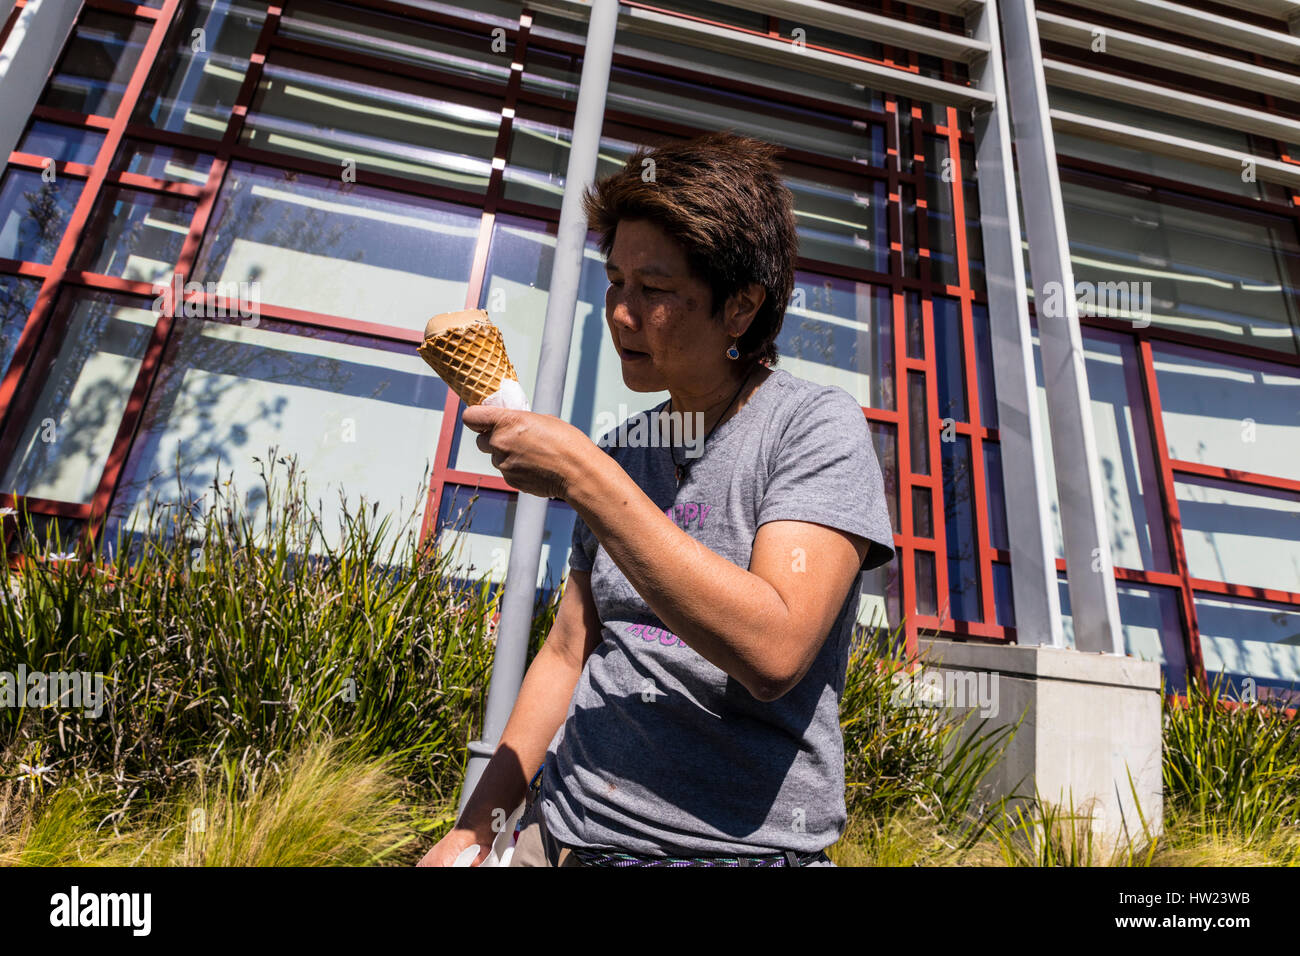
{"type": "Point", "coordinates": [824, 470]}
{"type": "Point", "coordinates": [582, 553]}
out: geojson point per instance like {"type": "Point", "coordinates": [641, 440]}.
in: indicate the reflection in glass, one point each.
{"type": "Point", "coordinates": [407, 40]}
{"type": "Point", "coordinates": [1231, 412]}
{"type": "Point", "coordinates": [97, 63]}
{"type": "Point", "coordinates": [63, 144]}
{"type": "Point", "coordinates": [885, 442]}
{"type": "Point", "coordinates": [88, 365]}
{"type": "Point", "coordinates": [879, 604]}
{"type": "Point", "coordinates": [135, 235]}
{"type": "Point", "coordinates": [475, 525]}
{"type": "Point", "coordinates": [950, 355]}
{"type": "Point", "coordinates": [995, 492]}
{"type": "Point", "coordinates": [1213, 270]}
{"type": "Point", "coordinates": [939, 211]}
{"type": "Point", "coordinates": [1240, 535]}
{"type": "Point", "coordinates": [370, 121]}
{"type": "Point", "coordinates": [33, 214]}
{"type": "Point", "coordinates": [538, 157]}
{"type": "Point", "coordinates": [926, 602]}
{"type": "Point", "coordinates": [959, 528]}
{"type": "Point", "coordinates": [362, 416]}
{"type": "Point", "coordinates": [17, 297]}
{"type": "Point", "coordinates": [163, 162]}
{"type": "Point", "coordinates": [840, 332]}
{"type": "Point", "coordinates": [1134, 510]}
{"type": "Point", "coordinates": [1255, 639]}
{"type": "Point", "coordinates": [918, 424]}
{"type": "Point", "coordinates": [1152, 626]}
{"type": "Point", "coordinates": [191, 90]}
{"type": "Point", "coordinates": [338, 248]}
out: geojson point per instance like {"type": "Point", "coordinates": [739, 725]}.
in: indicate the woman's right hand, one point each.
{"type": "Point", "coordinates": [445, 851]}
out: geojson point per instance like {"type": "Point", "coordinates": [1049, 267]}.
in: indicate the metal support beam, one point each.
{"type": "Point", "coordinates": [1024, 474]}
{"type": "Point", "coordinates": [520, 591]}
{"type": "Point", "coordinates": [1091, 571]}
{"type": "Point", "coordinates": [25, 63]}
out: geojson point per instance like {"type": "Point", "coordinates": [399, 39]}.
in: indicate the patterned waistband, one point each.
{"type": "Point", "coordinates": [613, 858]}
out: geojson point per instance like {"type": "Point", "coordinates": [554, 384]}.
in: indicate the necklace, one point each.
{"type": "Point", "coordinates": [682, 469]}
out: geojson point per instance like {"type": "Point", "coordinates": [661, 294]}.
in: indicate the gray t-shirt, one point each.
{"type": "Point", "coordinates": [662, 752]}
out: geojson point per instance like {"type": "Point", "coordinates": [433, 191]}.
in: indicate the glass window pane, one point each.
{"type": "Point", "coordinates": [475, 525]}
{"type": "Point", "coordinates": [85, 373]}
{"type": "Point", "coordinates": [97, 63]}
{"type": "Point", "coordinates": [1134, 507]}
{"type": "Point", "coordinates": [407, 40]}
{"type": "Point", "coordinates": [959, 528]}
{"type": "Point", "coordinates": [984, 364]}
{"type": "Point", "coordinates": [995, 491]}
{"type": "Point", "coordinates": [537, 159]}
{"type": "Point", "coordinates": [1251, 639]}
{"type": "Point", "coordinates": [918, 424]}
{"type": "Point", "coordinates": [885, 438]}
{"type": "Point", "coordinates": [951, 358]}
{"type": "Point", "coordinates": [1213, 270]}
{"type": "Point", "coordinates": [1240, 535]}
{"type": "Point", "coordinates": [922, 512]}
{"type": "Point", "coordinates": [1152, 627]}
{"type": "Point", "coordinates": [374, 122]}
{"type": "Point", "coordinates": [915, 325]}
{"type": "Point", "coordinates": [926, 600]}
{"type": "Point", "coordinates": [974, 227]}
{"type": "Point", "coordinates": [163, 162]}
{"type": "Point", "coordinates": [1004, 605]}
{"type": "Point", "coordinates": [938, 196]}
{"type": "Point", "coordinates": [197, 76]}
{"type": "Point", "coordinates": [839, 332]}
{"type": "Point", "coordinates": [135, 235]}
{"type": "Point", "coordinates": [1131, 159]}
{"type": "Point", "coordinates": [63, 144]}
{"type": "Point", "coordinates": [362, 416]}
{"type": "Point", "coordinates": [341, 249]}
{"type": "Point", "coordinates": [17, 298]}
{"type": "Point", "coordinates": [33, 214]}
{"type": "Point", "coordinates": [879, 600]}
{"type": "Point", "coordinates": [660, 99]}
{"type": "Point", "coordinates": [841, 223]}
{"type": "Point", "coordinates": [1231, 412]}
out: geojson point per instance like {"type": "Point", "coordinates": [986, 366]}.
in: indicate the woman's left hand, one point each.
{"type": "Point", "coordinates": [535, 453]}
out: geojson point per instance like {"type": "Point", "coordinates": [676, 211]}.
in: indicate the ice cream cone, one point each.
{"type": "Point", "coordinates": [469, 354]}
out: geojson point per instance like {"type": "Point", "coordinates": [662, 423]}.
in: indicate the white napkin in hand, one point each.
{"type": "Point", "coordinates": [503, 846]}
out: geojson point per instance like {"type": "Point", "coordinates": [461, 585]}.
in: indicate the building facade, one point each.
{"type": "Point", "coordinates": [224, 223]}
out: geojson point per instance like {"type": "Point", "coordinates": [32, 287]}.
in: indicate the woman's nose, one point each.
{"type": "Point", "coordinates": [617, 308]}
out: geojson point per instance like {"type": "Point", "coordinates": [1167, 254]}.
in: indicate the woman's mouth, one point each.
{"type": "Point", "coordinates": [632, 355]}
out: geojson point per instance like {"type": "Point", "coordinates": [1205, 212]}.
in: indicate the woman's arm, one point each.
{"type": "Point", "coordinates": [539, 711]}
{"type": "Point", "coordinates": [763, 625]}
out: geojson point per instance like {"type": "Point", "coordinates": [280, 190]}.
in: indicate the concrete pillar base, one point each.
{"type": "Point", "coordinates": [1090, 721]}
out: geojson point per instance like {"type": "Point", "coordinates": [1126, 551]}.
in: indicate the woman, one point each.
{"type": "Point", "coordinates": [685, 704]}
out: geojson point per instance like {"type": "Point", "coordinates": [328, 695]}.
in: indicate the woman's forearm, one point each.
{"type": "Point", "coordinates": [728, 615]}
{"type": "Point", "coordinates": [539, 711]}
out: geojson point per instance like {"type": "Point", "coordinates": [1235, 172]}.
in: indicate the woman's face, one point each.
{"type": "Point", "coordinates": [658, 314]}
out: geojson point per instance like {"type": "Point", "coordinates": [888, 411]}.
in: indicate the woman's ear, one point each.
{"type": "Point", "coordinates": [742, 307]}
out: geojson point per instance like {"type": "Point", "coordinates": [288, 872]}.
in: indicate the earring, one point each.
{"type": "Point", "coordinates": [733, 353]}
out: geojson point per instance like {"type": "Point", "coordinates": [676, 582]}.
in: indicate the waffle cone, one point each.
{"type": "Point", "coordinates": [469, 353]}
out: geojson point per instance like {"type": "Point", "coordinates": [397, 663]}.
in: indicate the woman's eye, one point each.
{"type": "Point", "coordinates": [648, 289]}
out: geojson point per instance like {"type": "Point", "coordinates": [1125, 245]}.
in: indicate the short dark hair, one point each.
{"type": "Point", "coordinates": [722, 198]}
